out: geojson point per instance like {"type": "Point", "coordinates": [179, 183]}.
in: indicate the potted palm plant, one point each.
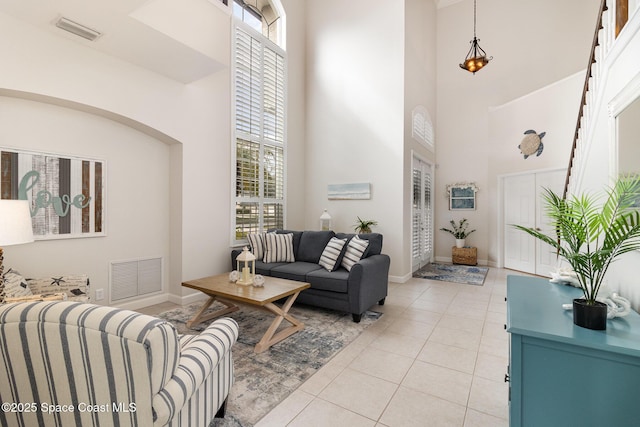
{"type": "Point", "coordinates": [364, 225]}
{"type": "Point", "coordinates": [459, 231]}
{"type": "Point", "coordinates": [590, 236]}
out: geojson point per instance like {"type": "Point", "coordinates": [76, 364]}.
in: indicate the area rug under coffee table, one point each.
{"type": "Point", "coordinates": [470, 275]}
{"type": "Point", "coordinates": [264, 380]}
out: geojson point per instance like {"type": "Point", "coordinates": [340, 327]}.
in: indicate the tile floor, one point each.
{"type": "Point", "coordinates": [437, 357]}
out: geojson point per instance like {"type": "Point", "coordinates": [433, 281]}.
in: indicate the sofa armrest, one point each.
{"type": "Point", "coordinates": [198, 359]}
{"type": "Point", "coordinates": [368, 282]}
{"type": "Point", "coordinates": [75, 286]}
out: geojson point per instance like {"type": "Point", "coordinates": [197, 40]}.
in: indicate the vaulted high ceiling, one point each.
{"type": "Point", "coordinates": [170, 37]}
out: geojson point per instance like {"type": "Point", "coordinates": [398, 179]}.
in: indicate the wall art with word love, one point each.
{"type": "Point", "coordinates": [66, 193]}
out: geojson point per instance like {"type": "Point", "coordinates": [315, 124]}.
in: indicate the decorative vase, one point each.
{"type": "Point", "coordinates": [590, 316]}
{"type": "Point", "coordinates": [460, 243]}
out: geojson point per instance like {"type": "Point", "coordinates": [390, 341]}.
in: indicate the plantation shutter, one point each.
{"type": "Point", "coordinates": [416, 244]}
{"type": "Point", "coordinates": [248, 83]}
{"type": "Point", "coordinates": [260, 134]}
{"type": "Point", "coordinates": [273, 96]}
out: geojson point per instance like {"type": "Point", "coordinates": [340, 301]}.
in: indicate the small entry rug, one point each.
{"type": "Point", "coordinates": [264, 380]}
{"type": "Point", "coordinates": [469, 275]}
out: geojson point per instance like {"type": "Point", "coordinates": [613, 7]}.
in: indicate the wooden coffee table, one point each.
{"type": "Point", "coordinates": [219, 288]}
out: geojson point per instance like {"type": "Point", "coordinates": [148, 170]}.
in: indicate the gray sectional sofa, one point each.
{"type": "Point", "coordinates": [352, 291]}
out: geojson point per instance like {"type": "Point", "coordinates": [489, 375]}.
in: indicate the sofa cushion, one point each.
{"type": "Point", "coordinates": [333, 281]}
{"type": "Point", "coordinates": [295, 271]}
{"type": "Point", "coordinates": [15, 285]}
{"type": "Point", "coordinates": [355, 250]}
{"type": "Point", "coordinates": [331, 254]}
{"type": "Point", "coordinates": [375, 242]}
{"type": "Point", "coordinates": [278, 248]}
{"type": "Point", "coordinates": [312, 244]}
{"type": "Point", "coordinates": [256, 243]}
{"type": "Point", "coordinates": [265, 268]}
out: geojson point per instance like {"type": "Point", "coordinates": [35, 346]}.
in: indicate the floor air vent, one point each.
{"type": "Point", "coordinates": [134, 278]}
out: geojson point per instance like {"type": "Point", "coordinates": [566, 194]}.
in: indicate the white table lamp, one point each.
{"type": "Point", "coordinates": [15, 229]}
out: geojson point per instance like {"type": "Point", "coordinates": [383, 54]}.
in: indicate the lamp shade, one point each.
{"type": "Point", "coordinates": [15, 222]}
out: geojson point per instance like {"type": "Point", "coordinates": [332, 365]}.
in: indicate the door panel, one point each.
{"type": "Point", "coordinates": [422, 215]}
{"type": "Point", "coordinates": [523, 205]}
{"type": "Point", "coordinates": [546, 259]}
{"type": "Point", "coordinates": [519, 205]}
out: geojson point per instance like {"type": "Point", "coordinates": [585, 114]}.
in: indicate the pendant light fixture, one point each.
{"type": "Point", "coordinates": [476, 58]}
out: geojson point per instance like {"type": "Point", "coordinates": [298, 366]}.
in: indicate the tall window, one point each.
{"type": "Point", "coordinates": [259, 86]}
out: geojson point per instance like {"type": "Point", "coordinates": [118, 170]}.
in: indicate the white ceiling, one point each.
{"type": "Point", "coordinates": [131, 31]}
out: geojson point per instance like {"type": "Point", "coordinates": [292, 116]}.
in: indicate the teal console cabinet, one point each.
{"type": "Point", "coordinates": [564, 375]}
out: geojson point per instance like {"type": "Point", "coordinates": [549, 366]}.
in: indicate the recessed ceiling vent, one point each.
{"type": "Point", "coordinates": [77, 29]}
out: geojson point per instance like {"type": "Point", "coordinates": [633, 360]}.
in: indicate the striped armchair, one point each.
{"type": "Point", "coordinates": [73, 364]}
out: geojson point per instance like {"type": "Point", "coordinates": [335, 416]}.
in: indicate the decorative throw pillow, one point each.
{"type": "Point", "coordinates": [256, 241]}
{"type": "Point", "coordinates": [75, 286]}
{"type": "Point", "coordinates": [331, 253]}
{"type": "Point", "coordinates": [278, 248]}
{"type": "Point", "coordinates": [15, 285]}
{"type": "Point", "coordinates": [354, 252]}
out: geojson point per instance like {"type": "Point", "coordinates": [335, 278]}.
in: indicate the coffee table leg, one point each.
{"type": "Point", "coordinates": [270, 337]}
{"type": "Point", "coordinates": [199, 318]}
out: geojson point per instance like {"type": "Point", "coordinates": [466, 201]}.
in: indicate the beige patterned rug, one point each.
{"type": "Point", "coordinates": [264, 380]}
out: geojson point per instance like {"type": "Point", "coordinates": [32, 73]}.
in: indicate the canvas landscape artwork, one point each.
{"type": "Point", "coordinates": [356, 191]}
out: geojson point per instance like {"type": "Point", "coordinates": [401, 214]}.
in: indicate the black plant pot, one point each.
{"type": "Point", "coordinates": [590, 316]}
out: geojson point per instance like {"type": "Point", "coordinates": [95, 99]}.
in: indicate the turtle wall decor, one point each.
{"type": "Point", "coordinates": [532, 143]}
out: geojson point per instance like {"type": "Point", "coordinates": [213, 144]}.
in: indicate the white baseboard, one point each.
{"type": "Point", "coordinates": [142, 302]}
{"type": "Point", "coordinates": [400, 279]}
{"type": "Point", "coordinates": [160, 298]}
{"type": "Point", "coordinates": [188, 299]}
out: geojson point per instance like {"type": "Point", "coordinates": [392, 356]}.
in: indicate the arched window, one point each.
{"type": "Point", "coordinates": [422, 127]}
{"type": "Point", "coordinates": [264, 16]}
{"type": "Point", "coordinates": [259, 116]}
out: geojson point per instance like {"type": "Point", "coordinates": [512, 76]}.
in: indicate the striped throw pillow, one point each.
{"type": "Point", "coordinates": [331, 253]}
{"type": "Point", "coordinates": [355, 250]}
{"type": "Point", "coordinates": [278, 248]}
{"type": "Point", "coordinates": [256, 241]}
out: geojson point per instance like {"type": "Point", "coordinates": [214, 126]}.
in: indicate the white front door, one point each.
{"type": "Point", "coordinates": [422, 214]}
{"type": "Point", "coordinates": [523, 205]}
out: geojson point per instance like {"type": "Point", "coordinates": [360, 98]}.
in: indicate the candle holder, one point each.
{"type": "Point", "coordinates": [246, 266]}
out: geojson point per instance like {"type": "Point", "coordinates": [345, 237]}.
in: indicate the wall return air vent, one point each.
{"type": "Point", "coordinates": [77, 29]}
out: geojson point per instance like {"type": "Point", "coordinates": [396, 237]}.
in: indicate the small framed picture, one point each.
{"type": "Point", "coordinates": [462, 196]}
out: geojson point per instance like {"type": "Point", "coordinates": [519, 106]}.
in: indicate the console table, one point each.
{"type": "Point", "coordinates": [564, 375]}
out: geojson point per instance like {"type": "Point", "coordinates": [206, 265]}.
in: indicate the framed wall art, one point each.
{"type": "Point", "coordinates": [356, 191]}
{"type": "Point", "coordinates": [462, 196]}
{"type": "Point", "coordinates": [66, 193]}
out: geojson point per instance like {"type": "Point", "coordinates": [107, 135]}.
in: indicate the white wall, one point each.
{"type": "Point", "coordinates": [195, 115]}
{"type": "Point", "coordinates": [620, 80]}
{"type": "Point", "coordinates": [552, 109]}
{"type": "Point", "coordinates": [355, 114]}
{"type": "Point", "coordinates": [533, 44]}
{"type": "Point", "coordinates": [419, 90]}
{"type": "Point", "coordinates": [137, 203]}
{"type": "Point", "coordinates": [296, 112]}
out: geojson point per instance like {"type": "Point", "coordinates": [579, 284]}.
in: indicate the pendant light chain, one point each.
{"type": "Point", "coordinates": [474, 18]}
